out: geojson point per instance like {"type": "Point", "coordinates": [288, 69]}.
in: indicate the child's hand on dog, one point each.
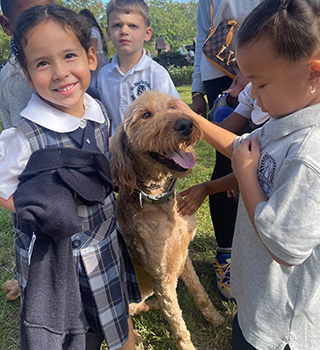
{"type": "Point", "coordinates": [195, 196]}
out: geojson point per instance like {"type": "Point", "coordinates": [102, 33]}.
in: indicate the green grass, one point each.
{"type": "Point", "coordinates": [153, 327]}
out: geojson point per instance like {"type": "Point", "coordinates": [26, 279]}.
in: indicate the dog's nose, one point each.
{"type": "Point", "coordinates": [184, 127]}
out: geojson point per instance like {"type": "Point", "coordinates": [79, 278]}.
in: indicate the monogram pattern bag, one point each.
{"type": "Point", "coordinates": [219, 47]}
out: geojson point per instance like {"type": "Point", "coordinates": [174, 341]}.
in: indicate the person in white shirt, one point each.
{"type": "Point", "coordinates": [131, 71]}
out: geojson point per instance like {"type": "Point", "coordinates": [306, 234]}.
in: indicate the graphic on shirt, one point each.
{"type": "Point", "coordinates": [138, 88]}
{"type": "Point", "coordinates": [266, 173]}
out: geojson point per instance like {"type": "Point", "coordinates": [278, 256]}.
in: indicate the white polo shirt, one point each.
{"type": "Point", "coordinates": [117, 90]}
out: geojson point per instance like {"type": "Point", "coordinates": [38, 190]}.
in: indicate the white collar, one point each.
{"type": "Point", "coordinates": [143, 63]}
{"type": "Point", "coordinates": [42, 113]}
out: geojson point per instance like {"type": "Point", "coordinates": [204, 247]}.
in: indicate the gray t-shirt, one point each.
{"type": "Point", "coordinates": [279, 305]}
{"type": "Point", "coordinates": [15, 92]}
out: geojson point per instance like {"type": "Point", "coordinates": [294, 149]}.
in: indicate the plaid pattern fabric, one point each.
{"type": "Point", "coordinates": [219, 51]}
{"type": "Point", "coordinates": [106, 274]}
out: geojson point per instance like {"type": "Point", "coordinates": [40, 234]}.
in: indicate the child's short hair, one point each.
{"type": "Point", "coordinates": [128, 6]}
{"type": "Point", "coordinates": [63, 16]}
{"type": "Point", "coordinates": [293, 26]}
{"type": "Point", "coordinates": [6, 7]}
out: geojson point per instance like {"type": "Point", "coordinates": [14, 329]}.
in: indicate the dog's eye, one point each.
{"type": "Point", "coordinates": [146, 115]}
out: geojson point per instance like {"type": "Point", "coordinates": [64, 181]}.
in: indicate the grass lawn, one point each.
{"type": "Point", "coordinates": [153, 327]}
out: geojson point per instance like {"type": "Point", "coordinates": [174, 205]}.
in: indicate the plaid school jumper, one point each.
{"type": "Point", "coordinates": [106, 274]}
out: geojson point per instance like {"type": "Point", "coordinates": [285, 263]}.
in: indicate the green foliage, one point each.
{"type": "Point", "coordinates": [171, 59]}
{"type": "Point", "coordinates": [4, 48]}
{"type": "Point", "coordinates": [181, 75]}
{"type": "Point", "coordinates": [9, 311]}
{"type": "Point", "coordinates": [95, 6]}
{"type": "Point", "coordinates": [173, 20]}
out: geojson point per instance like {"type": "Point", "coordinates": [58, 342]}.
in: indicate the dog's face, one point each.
{"type": "Point", "coordinates": [154, 136]}
{"type": "Point", "coordinates": [153, 126]}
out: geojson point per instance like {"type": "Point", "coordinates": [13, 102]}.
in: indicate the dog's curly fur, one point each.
{"type": "Point", "coordinates": [157, 237]}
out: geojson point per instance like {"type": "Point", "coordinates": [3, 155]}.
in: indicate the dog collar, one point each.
{"type": "Point", "coordinates": [161, 198]}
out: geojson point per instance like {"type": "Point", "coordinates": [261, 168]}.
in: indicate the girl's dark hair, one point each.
{"type": "Point", "coordinates": [63, 16]}
{"type": "Point", "coordinates": [293, 26]}
{"type": "Point", "coordinates": [93, 22]}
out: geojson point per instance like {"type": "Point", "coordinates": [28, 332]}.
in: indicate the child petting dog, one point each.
{"type": "Point", "coordinates": [275, 276]}
{"type": "Point", "coordinates": [131, 71]}
{"type": "Point", "coordinates": [75, 273]}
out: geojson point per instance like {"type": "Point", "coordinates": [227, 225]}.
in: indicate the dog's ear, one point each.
{"type": "Point", "coordinates": [121, 161]}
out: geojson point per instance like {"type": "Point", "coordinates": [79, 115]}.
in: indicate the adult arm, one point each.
{"type": "Point", "coordinates": [195, 195]}
{"type": "Point", "coordinates": [203, 27]}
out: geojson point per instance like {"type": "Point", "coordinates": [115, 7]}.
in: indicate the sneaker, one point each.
{"type": "Point", "coordinates": [222, 268]}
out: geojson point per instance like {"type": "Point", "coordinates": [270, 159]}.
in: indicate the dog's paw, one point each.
{"type": "Point", "coordinates": [153, 303]}
{"type": "Point", "coordinates": [137, 308]}
{"type": "Point", "coordinates": [12, 290]}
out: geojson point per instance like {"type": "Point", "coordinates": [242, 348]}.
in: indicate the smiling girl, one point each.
{"type": "Point", "coordinates": [56, 54]}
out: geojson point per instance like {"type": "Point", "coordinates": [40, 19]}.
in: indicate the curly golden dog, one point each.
{"type": "Point", "coordinates": [148, 153]}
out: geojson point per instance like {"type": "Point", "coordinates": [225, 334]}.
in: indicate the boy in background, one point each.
{"type": "Point", "coordinates": [131, 71]}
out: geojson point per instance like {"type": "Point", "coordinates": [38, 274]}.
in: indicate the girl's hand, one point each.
{"type": "Point", "coordinates": [245, 159]}
{"type": "Point", "coordinates": [177, 103]}
{"type": "Point", "coordinates": [195, 196]}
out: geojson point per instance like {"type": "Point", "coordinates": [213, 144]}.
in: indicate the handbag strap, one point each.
{"type": "Point", "coordinates": [211, 15]}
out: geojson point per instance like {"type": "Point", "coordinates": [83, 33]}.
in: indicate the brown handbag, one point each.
{"type": "Point", "coordinates": [219, 47]}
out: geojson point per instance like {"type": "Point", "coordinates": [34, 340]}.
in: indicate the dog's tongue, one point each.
{"type": "Point", "coordinates": [185, 159]}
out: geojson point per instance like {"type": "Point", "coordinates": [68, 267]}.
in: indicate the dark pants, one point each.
{"type": "Point", "coordinates": [238, 340]}
{"type": "Point", "coordinates": [93, 340]}
{"type": "Point", "coordinates": [223, 210]}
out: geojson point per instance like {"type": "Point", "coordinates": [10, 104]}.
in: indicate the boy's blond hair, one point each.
{"type": "Point", "coordinates": [128, 6]}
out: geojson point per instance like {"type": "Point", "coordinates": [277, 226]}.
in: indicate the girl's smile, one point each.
{"type": "Point", "coordinates": [58, 66]}
{"type": "Point", "coordinates": [67, 90]}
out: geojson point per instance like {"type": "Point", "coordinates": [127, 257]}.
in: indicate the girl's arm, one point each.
{"type": "Point", "coordinates": [7, 203]}
{"type": "Point", "coordinates": [217, 137]}
{"type": "Point", "coordinates": [234, 122]}
{"type": "Point", "coordinates": [245, 163]}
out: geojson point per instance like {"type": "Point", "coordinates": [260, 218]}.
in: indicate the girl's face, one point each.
{"type": "Point", "coordinates": [58, 66]}
{"type": "Point", "coordinates": [280, 87]}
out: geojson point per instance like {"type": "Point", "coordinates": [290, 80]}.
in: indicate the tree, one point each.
{"type": "Point", "coordinates": [4, 48]}
{"type": "Point", "coordinates": [95, 6]}
{"type": "Point", "coordinates": [173, 20]}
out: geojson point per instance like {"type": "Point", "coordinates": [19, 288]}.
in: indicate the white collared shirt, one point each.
{"type": "Point", "coordinates": [117, 90]}
{"type": "Point", "coordinates": [15, 149]}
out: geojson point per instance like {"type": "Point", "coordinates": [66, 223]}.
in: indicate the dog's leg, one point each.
{"type": "Point", "coordinates": [191, 280]}
{"type": "Point", "coordinates": [167, 297]}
